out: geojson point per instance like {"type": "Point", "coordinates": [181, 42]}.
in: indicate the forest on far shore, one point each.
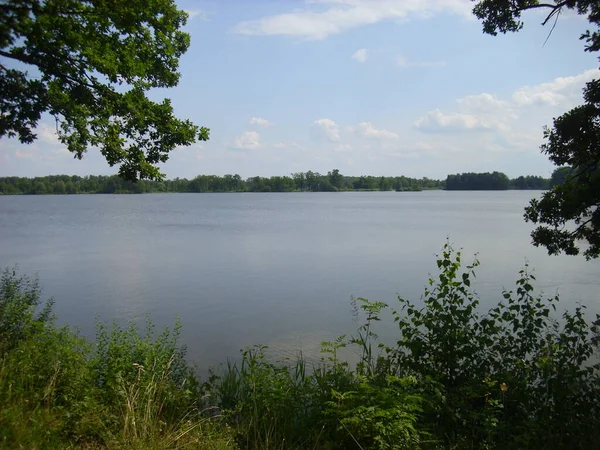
{"type": "Point", "coordinates": [297, 182]}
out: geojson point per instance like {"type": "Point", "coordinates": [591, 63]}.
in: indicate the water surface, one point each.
{"type": "Point", "coordinates": [275, 269]}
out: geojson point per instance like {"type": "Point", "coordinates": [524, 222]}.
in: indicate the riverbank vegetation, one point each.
{"type": "Point", "coordinates": [515, 376]}
{"type": "Point", "coordinates": [495, 181]}
{"type": "Point", "coordinates": [296, 182]}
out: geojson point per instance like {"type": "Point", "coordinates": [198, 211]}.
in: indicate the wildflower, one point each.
{"type": "Point", "coordinates": [503, 387]}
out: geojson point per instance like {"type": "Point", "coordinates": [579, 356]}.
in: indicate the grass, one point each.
{"type": "Point", "coordinates": [514, 377]}
{"type": "Point", "coordinates": [129, 389]}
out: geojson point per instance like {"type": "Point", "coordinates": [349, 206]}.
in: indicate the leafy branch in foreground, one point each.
{"type": "Point", "coordinates": [74, 58]}
{"type": "Point", "coordinates": [569, 214]}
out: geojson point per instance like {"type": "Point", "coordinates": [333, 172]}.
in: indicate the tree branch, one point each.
{"type": "Point", "coordinates": [32, 61]}
{"type": "Point", "coordinates": [544, 5]}
{"type": "Point", "coordinates": [556, 7]}
{"type": "Point", "coordinates": [575, 234]}
{"type": "Point", "coordinates": [22, 58]}
{"type": "Point", "coordinates": [553, 27]}
{"type": "Point", "coordinates": [36, 10]}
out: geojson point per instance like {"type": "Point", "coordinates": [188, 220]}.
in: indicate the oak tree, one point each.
{"type": "Point", "coordinates": [569, 213]}
{"type": "Point", "coordinates": [90, 64]}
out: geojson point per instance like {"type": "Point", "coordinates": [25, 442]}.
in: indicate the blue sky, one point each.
{"type": "Point", "coordinates": [379, 87]}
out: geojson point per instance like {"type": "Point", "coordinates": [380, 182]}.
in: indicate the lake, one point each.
{"type": "Point", "coordinates": [273, 269]}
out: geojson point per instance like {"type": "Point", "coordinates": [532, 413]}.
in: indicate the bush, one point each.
{"type": "Point", "coordinates": [514, 377]}
{"type": "Point", "coordinates": [129, 390]}
{"type": "Point", "coordinates": [20, 312]}
{"type": "Point", "coordinates": [457, 378]}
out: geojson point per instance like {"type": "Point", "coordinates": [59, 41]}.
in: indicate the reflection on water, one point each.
{"type": "Point", "coordinates": [275, 269]}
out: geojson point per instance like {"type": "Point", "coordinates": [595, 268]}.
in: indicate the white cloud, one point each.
{"type": "Point", "coordinates": [405, 63]}
{"type": "Point", "coordinates": [196, 14]}
{"type": "Point", "coordinates": [482, 103]}
{"type": "Point", "coordinates": [325, 129]}
{"type": "Point", "coordinates": [316, 22]}
{"type": "Point", "coordinates": [522, 110]}
{"type": "Point", "coordinates": [249, 140]}
{"type": "Point", "coordinates": [260, 122]}
{"type": "Point", "coordinates": [360, 55]}
{"type": "Point", "coordinates": [563, 92]}
{"type": "Point", "coordinates": [437, 121]}
{"type": "Point", "coordinates": [368, 130]}
{"type": "Point", "coordinates": [292, 145]}
{"type": "Point", "coordinates": [342, 148]}
{"type": "Point", "coordinates": [21, 153]}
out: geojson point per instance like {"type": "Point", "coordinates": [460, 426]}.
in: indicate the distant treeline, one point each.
{"type": "Point", "coordinates": [296, 182]}
{"type": "Point", "coordinates": [495, 181]}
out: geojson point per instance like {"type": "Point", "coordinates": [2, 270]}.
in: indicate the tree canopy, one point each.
{"type": "Point", "coordinates": [89, 64]}
{"type": "Point", "coordinates": [477, 181]}
{"type": "Point", "coordinates": [569, 213]}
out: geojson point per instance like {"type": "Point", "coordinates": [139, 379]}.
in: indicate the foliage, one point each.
{"type": "Point", "coordinates": [515, 376]}
{"type": "Point", "coordinates": [559, 176]}
{"type": "Point", "coordinates": [530, 182]}
{"type": "Point", "coordinates": [19, 305]}
{"type": "Point", "coordinates": [284, 405]}
{"type": "Point", "coordinates": [512, 378]}
{"type": "Point", "coordinates": [313, 182]}
{"type": "Point", "coordinates": [75, 58]}
{"type": "Point", "coordinates": [493, 181]}
{"type": "Point", "coordinates": [570, 212]}
{"type": "Point", "coordinates": [477, 181]}
{"type": "Point", "coordinates": [297, 182]}
{"type": "Point", "coordinates": [574, 142]}
{"type": "Point", "coordinates": [129, 390]}
{"type": "Point", "coordinates": [268, 404]}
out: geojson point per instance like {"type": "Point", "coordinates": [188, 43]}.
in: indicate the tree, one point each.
{"type": "Point", "coordinates": [336, 178]}
{"type": "Point", "coordinates": [477, 181]}
{"type": "Point", "coordinates": [570, 212]}
{"type": "Point", "coordinates": [559, 176]}
{"type": "Point", "coordinates": [89, 63]}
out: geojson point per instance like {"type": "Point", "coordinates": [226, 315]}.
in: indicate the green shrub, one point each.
{"type": "Point", "coordinates": [456, 377]}
{"type": "Point", "coordinates": [512, 378]}
{"type": "Point", "coordinates": [333, 406]}
{"type": "Point", "coordinates": [270, 405]}
{"type": "Point", "coordinates": [20, 312]}
{"type": "Point", "coordinates": [129, 390]}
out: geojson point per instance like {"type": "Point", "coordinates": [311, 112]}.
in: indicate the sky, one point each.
{"type": "Point", "coordinates": [370, 87]}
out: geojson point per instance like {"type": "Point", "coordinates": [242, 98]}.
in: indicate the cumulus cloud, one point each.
{"type": "Point", "coordinates": [482, 103]}
{"type": "Point", "coordinates": [325, 129]}
{"type": "Point", "coordinates": [436, 121]}
{"type": "Point", "coordinates": [249, 140]}
{"type": "Point", "coordinates": [360, 55]}
{"type": "Point", "coordinates": [563, 92]}
{"type": "Point", "coordinates": [368, 130]}
{"type": "Point", "coordinates": [405, 63]}
{"type": "Point", "coordinates": [484, 112]}
{"type": "Point", "coordinates": [316, 22]}
{"type": "Point", "coordinates": [260, 122]}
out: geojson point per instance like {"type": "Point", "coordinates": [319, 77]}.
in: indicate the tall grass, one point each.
{"type": "Point", "coordinates": [127, 389]}
{"type": "Point", "coordinates": [455, 378]}
{"type": "Point", "coordinates": [458, 378]}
